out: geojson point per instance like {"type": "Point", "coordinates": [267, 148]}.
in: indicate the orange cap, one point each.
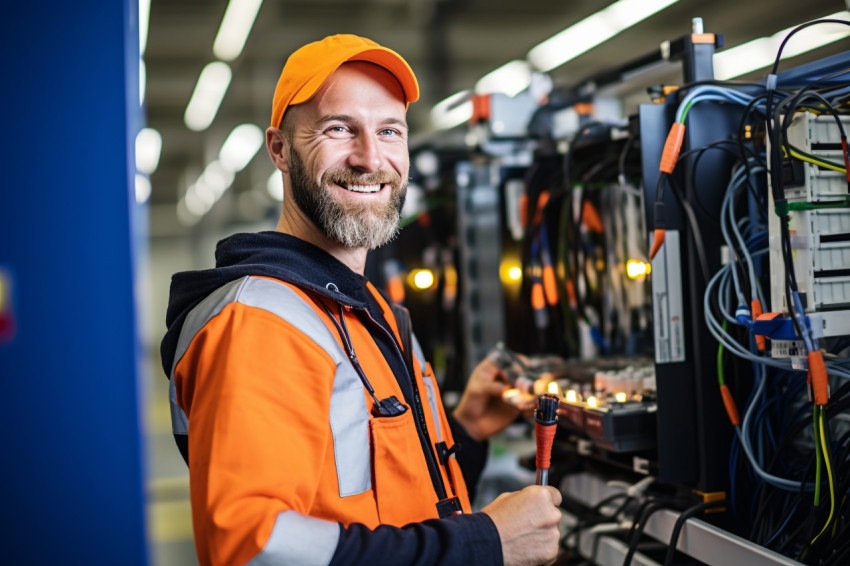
{"type": "Point", "coordinates": [307, 69]}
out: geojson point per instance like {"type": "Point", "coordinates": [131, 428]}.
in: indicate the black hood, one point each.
{"type": "Point", "coordinates": [270, 254]}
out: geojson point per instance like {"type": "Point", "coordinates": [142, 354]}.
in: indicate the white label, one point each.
{"type": "Point", "coordinates": [786, 348]}
{"type": "Point", "coordinates": [667, 313]}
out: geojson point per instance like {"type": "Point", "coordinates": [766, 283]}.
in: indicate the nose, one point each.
{"type": "Point", "coordinates": [366, 155]}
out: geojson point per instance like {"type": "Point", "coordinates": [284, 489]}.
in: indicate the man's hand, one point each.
{"type": "Point", "coordinates": [481, 410]}
{"type": "Point", "coordinates": [528, 524]}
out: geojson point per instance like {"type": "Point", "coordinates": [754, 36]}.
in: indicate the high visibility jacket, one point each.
{"type": "Point", "coordinates": [289, 464]}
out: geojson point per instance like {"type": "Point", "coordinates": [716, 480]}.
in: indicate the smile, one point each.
{"type": "Point", "coordinates": [364, 188]}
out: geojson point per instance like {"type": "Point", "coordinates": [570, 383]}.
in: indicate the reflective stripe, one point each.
{"type": "Point", "coordinates": [298, 539]}
{"type": "Point", "coordinates": [429, 386]}
{"type": "Point", "coordinates": [349, 417]}
{"type": "Point", "coordinates": [417, 351]}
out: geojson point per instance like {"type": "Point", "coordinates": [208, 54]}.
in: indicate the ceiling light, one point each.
{"type": "Point", "coordinates": [274, 186]}
{"type": "Point", "coordinates": [143, 188]}
{"type": "Point", "coordinates": [143, 79]}
{"type": "Point", "coordinates": [240, 147]}
{"type": "Point", "coordinates": [235, 27]}
{"type": "Point", "coordinates": [144, 19]}
{"type": "Point", "coordinates": [511, 78]}
{"type": "Point", "coordinates": [593, 30]}
{"type": "Point", "coordinates": [452, 111]}
{"type": "Point", "coordinates": [760, 53]}
{"type": "Point", "coordinates": [148, 149]}
{"type": "Point", "coordinates": [217, 178]}
{"type": "Point", "coordinates": [203, 106]}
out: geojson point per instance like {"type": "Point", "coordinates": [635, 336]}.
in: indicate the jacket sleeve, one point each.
{"type": "Point", "coordinates": [257, 395]}
{"type": "Point", "coordinates": [463, 540]}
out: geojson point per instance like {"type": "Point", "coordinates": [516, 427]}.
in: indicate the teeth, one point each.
{"type": "Point", "coordinates": [364, 188]}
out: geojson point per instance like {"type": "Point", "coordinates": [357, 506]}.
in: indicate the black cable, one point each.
{"type": "Point", "coordinates": [695, 232]}
{"type": "Point", "coordinates": [680, 523]}
{"type": "Point", "coordinates": [641, 519]}
{"type": "Point", "coordinates": [795, 30]}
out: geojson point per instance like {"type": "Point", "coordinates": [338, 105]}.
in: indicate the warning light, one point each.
{"type": "Point", "coordinates": [636, 268]}
{"type": "Point", "coordinates": [423, 278]}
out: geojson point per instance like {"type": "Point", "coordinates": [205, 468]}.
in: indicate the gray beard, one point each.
{"type": "Point", "coordinates": [351, 225]}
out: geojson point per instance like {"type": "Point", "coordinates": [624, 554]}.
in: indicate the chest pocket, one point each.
{"type": "Point", "coordinates": [349, 417]}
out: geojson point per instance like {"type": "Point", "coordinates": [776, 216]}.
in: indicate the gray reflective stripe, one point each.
{"type": "Point", "coordinates": [349, 417]}
{"type": "Point", "coordinates": [429, 387]}
{"type": "Point", "coordinates": [298, 539]}
{"type": "Point", "coordinates": [195, 320]}
{"type": "Point", "coordinates": [179, 420]}
{"type": "Point", "coordinates": [417, 351]}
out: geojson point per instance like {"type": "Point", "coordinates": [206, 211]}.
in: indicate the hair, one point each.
{"type": "Point", "coordinates": [287, 125]}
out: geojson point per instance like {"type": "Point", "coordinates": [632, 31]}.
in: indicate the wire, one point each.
{"type": "Point", "coordinates": [680, 523]}
{"type": "Point", "coordinates": [830, 479]}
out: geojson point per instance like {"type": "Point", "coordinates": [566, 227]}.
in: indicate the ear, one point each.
{"type": "Point", "coordinates": [278, 148]}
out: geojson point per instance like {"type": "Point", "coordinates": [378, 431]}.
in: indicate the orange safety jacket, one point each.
{"type": "Point", "coordinates": [270, 383]}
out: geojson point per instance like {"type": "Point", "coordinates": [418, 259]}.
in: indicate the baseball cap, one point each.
{"type": "Point", "coordinates": [309, 67]}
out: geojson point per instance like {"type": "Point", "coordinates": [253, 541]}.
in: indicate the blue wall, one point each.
{"type": "Point", "coordinates": [70, 457]}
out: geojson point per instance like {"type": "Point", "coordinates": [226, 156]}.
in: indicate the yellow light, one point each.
{"type": "Point", "coordinates": [553, 388]}
{"type": "Point", "coordinates": [571, 396]}
{"type": "Point", "coordinates": [423, 279]}
{"type": "Point", "coordinates": [592, 402]}
{"type": "Point", "coordinates": [510, 271]}
{"type": "Point", "coordinates": [635, 268]}
{"type": "Point", "coordinates": [620, 397]}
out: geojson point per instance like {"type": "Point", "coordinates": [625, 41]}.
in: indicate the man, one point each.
{"type": "Point", "coordinates": [310, 421]}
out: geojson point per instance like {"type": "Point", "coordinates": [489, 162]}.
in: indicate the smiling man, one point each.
{"type": "Point", "coordinates": [310, 420]}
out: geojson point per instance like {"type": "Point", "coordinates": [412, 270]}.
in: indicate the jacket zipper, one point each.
{"type": "Point", "coordinates": [418, 411]}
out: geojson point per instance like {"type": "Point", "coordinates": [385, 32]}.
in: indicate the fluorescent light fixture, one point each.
{"type": "Point", "coordinates": [206, 191]}
{"type": "Point", "coordinates": [215, 179]}
{"type": "Point", "coordinates": [511, 78]}
{"type": "Point", "coordinates": [144, 20]}
{"type": "Point", "coordinates": [203, 106]}
{"type": "Point", "coordinates": [143, 188]}
{"type": "Point", "coordinates": [240, 147]}
{"type": "Point", "coordinates": [452, 111]}
{"type": "Point", "coordinates": [143, 79]}
{"type": "Point", "coordinates": [235, 27]}
{"type": "Point", "coordinates": [760, 53]}
{"type": "Point", "coordinates": [274, 186]}
{"type": "Point", "coordinates": [148, 149]}
{"type": "Point", "coordinates": [593, 30]}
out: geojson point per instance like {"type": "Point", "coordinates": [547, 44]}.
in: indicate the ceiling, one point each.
{"type": "Point", "coordinates": [450, 44]}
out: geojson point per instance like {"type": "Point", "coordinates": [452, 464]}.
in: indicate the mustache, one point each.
{"type": "Point", "coordinates": [346, 176]}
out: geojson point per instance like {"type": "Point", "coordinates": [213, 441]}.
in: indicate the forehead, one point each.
{"type": "Point", "coordinates": [359, 87]}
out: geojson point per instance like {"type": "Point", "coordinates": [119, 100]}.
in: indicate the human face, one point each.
{"type": "Point", "coordinates": [348, 159]}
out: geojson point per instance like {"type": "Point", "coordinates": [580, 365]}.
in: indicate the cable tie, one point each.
{"type": "Point", "coordinates": [770, 83]}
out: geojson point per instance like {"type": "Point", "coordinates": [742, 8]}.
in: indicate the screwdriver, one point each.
{"type": "Point", "coordinates": [546, 419]}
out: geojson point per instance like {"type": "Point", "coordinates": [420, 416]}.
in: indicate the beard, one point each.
{"type": "Point", "coordinates": [353, 225]}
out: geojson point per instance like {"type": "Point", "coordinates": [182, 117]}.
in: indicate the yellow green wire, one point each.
{"type": "Point", "coordinates": [818, 454]}
{"type": "Point", "coordinates": [829, 474]}
{"type": "Point", "coordinates": [814, 159]}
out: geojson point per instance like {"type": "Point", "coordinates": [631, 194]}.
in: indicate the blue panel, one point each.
{"type": "Point", "coordinates": [70, 467]}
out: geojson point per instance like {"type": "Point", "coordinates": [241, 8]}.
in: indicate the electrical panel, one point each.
{"type": "Point", "coordinates": [819, 224]}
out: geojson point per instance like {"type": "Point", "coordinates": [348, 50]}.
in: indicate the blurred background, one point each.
{"type": "Point", "coordinates": [208, 69]}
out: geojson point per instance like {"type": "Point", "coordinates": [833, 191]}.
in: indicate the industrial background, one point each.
{"type": "Point", "coordinates": [532, 226]}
